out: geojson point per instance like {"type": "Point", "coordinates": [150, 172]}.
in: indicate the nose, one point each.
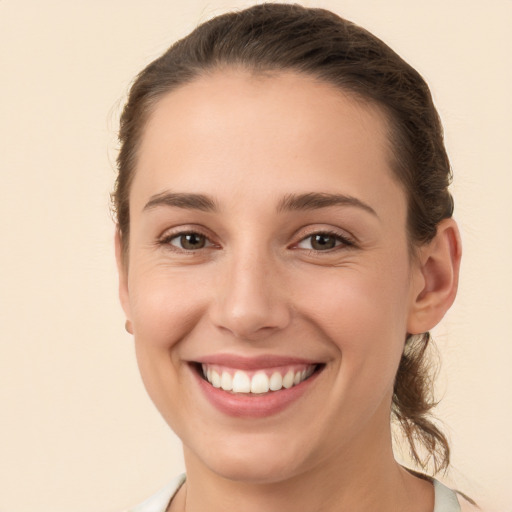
{"type": "Point", "coordinates": [251, 301]}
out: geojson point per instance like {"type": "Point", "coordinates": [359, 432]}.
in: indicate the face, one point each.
{"type": "Point", "coordinates": [268, 280]}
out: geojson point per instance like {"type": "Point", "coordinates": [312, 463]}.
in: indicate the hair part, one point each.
{"type": "Point", "coordinates": [318, 43]}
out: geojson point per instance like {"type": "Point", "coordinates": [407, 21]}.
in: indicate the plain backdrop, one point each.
{"type": "Point", "coordinates": [77, 431]}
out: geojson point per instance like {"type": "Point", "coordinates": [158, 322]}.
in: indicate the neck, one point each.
{"type": "Point", "coordinates": [363, 477]}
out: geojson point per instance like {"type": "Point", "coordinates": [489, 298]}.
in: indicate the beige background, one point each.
{"type": "Point", "coordinates": [77, 432]}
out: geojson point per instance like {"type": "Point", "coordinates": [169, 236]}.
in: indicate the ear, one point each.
{"type": "Point", "coordinates": [436, 278]}
{"type": "Point", "coordinates": [122, 269]}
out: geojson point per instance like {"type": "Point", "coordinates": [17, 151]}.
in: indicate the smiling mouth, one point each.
{"type": "Point", "coordinates": [257, 382]}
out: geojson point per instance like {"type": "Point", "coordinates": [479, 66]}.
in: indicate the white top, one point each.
{"type": "Point", "coordinates": [445, 499]}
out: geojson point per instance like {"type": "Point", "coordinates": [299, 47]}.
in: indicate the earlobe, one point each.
{"type": "Point", "coordinates": [123, 277]}
{"type": "Point", "coordinates": [438, 266]}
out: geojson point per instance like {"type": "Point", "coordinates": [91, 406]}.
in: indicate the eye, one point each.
{"type": "Point", "coordinates": [323, 242]}
{"type": "Point", "coordinates": [188, 241]}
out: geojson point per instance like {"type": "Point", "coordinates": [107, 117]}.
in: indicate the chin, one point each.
{"type": "Point", "coordinates": [256, 459]}
{"type": "Point", "coordinates": [252, 472]}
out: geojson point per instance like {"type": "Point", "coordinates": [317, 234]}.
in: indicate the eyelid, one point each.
{"type": "Point", "coordinates": [337, 242]}
{"type": "Point", "coordinates": [173, 233]}
{"type": "Point", "coordinates": [346, 240]}
{"type": "Point", "coordinates": [343, 239]}
{"type": "Point", "coordinates": [170, 239]}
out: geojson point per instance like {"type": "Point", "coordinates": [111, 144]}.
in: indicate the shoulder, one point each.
{"type": "Point", "coordinates": [159, 502]}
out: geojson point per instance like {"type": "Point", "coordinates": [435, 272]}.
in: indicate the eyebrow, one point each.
{"type": "Point", "coordinates": [290, 202]}
{"type": "Point", "coordinates": [317, 200]}
{"type": "Point", "coordinates": [182, 200]}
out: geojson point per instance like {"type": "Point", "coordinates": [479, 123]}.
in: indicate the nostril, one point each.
{"type": "Point", "coordinates": [252, 325]}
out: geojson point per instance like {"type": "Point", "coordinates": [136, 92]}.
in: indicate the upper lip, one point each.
{"type": "Point", "coordinates": [252, 363]}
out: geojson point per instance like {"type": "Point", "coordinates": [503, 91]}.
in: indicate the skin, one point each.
{"type": "Point", "coordinates": [259, 286]}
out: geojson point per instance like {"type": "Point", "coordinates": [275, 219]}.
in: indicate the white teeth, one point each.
{"type": "Point", "coordinates": [276, 381]}
{"type": "Point", "coordinates": [288, 380]}
{"type": "Point", "coordinates": [215, 379]}
{"type": "Point", "coordinates": [226, 382]}
{"type": "Point", "coordinates": [241, 382]}
{"type": "Point", "coordinates": [260, 383]}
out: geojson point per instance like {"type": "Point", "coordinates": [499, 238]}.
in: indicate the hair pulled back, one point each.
{"type": "Point", "coordinates": [316, 42]}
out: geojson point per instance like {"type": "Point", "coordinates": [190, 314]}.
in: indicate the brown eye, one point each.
{"type": "Point", "coordinates": [189, 241]}
{"type": "Point", "coordinates": [322, 242]}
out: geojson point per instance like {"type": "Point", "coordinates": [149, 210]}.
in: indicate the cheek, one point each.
{"type": "Point", "coordinates": [165, 306]}
{"type": "Point", "coordinates": [363, 313]}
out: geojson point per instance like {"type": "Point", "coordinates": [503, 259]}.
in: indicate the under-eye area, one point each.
{"type": "Point", "coordinates": [256, 382]}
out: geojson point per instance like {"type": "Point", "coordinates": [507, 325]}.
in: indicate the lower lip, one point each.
{"type": "Point", "coordinates": [253, 405]}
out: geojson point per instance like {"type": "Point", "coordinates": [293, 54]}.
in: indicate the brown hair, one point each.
{"type": "Point", "coordinates": [316, 42]}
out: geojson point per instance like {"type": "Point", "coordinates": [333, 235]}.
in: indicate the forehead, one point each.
{"type": "Point", "coordinates": [268, 132]}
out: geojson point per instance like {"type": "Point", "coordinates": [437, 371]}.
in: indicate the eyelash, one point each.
{"type": "Point", "coordinates": [340, 241]}
{"type": "Point", "coordinates": [166, 241]}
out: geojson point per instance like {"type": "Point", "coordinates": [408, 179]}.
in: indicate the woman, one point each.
{"type": "Point", "coordinates": [284, 244]}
